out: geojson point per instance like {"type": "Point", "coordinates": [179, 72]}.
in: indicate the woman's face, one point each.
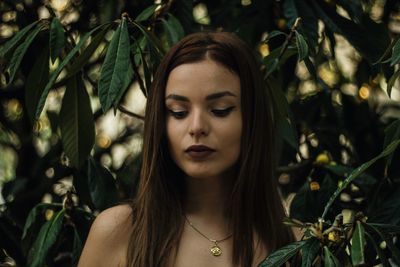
{"type": "Point", "coordinates": [204, 118]}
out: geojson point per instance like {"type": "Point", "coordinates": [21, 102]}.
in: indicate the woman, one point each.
{"type": "Point", "coordinates": [207, 194]}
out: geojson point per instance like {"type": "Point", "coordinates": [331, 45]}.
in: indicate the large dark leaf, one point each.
{"type": "Point", "coordinates": [34, 214]}
{"type": "Point", "coordinates": [146, 13]}
{"type": "Point", "coordinates": [279, 257]}
{"type": "Point", "coordinates": [115, 67]}
{"type": "Point", "coordinates": [20, 51]}
{"type": "Point", "coordinates": [290, 11]}
{"type": "Point", "coordinates": [370, 38]}
{"type": "Point", "coordinates": [302, 46]}
{"type": "Point", "coordinates": [101, 185]}
{"type": "Point", "coordinates": [387, 228]}
{"type": "Point", "coordinates": [285, 120]}
{"type": "Point", "coordinates": [317, 199]}
{"type": "Point", "coordinates": [388, 239]}
{"type": "Point", "coordinates": [395, 59]}
{"type": "Point", "coordinates": [310, 252]}
{"type": "Point", "coordinates": [76, 248]}
{"type": "Point", "coordinates": [76, 122]}
{"type": "Point", "coordinates": [392, 133]}
{"type": "Point", "coordinates": [45, 240]}
{"type": "Point", "coordinates": [16, 39]}
{"type": "Point", "coordinates": [36, 81]}
{"type": "Point", "coordinates": [184, 13]}
{"type": "Point", "coordinates": [357, 172]}
{"type": "Point", "coordinates": [309, 23]}
{"type": "Point", "coordinates": [386, 209]}
{"type": "Point", "coordinates": [288, 131]}
{"type": "Point", "coordinates": [173, 28]}
{"type": "Point", "coordinates": [60, 67]}
{"type": "Point", "coordinates": [378, 250]}
{"type": "Point", "coordinates": [358, 243]}
{"type": "Point", "coordinates": [329, 259]}
{"type": "Point", "coordinates": [86, 54]}
{"type": "Point", "coordinates": [57, 38]}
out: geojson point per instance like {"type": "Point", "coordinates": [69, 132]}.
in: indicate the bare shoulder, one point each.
{"type": "Point", "coordinates": [108, 238]}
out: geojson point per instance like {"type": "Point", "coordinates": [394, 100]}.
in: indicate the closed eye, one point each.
{"type": "Point", "coordinates": [177, 114]}
{"type": "Point", "coordinates": [222, 112]}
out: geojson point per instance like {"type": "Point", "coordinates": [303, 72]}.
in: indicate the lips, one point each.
{"type": "Point", "coordinates": [199, 151]}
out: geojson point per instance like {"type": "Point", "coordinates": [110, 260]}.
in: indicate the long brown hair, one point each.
{"type": "Point", "coordinates": [254, 204]}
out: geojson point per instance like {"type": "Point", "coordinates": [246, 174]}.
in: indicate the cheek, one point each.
{"type": "Point", "coordinates": [174, 136]}
{"type": "Point", "coordinates": [231, 135]}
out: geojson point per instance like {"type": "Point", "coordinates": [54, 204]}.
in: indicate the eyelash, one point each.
{"type": "Point", "coordinates": [217, 112]}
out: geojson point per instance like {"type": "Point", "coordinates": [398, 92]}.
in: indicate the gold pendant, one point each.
{"type": "Point", "coordinates": [216, 250]}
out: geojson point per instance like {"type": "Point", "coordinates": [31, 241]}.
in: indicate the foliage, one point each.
{"type": "Point", "coordinates": [67, 71]}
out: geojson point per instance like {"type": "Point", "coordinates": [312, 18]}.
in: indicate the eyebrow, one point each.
{"type": "Point", "coordinates": [209, 97]}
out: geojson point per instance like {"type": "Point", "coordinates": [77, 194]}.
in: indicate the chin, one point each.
{"type": "Point", "coordinates": [200, 174]}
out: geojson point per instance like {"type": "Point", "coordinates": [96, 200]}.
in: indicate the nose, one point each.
{"type": "Point", "coordinates": [199, 125]}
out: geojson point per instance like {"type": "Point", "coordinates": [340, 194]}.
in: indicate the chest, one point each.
{"type": "Point", "coordinates": [195, 251]}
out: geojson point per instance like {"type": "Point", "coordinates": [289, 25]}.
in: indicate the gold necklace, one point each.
{"type": "Point", "coordinates": [215, 249]}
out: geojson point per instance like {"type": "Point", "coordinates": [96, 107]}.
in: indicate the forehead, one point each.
{"type": "Point", "coordinates": [202, 78]}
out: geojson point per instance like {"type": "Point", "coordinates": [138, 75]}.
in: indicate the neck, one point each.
{"type": "Point", "coordinates": [207, 198]}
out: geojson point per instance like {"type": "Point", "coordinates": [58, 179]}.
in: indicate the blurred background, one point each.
{"type": "Point", "coordinates": [334, 78]}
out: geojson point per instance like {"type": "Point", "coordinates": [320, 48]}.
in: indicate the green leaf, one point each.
{"type": "Point", "coordinates": [151, 38]}
{"type": "Point", "coordinates": [146, 13]}
{"type": "Point", "coordinates": [358, 171]}
{"type": "Point", "coordinates": [290, 12]}
{"type": "Point", "coordinates": [33, 216]}
{"type": "Point", "coordinates": [388, 239]}
{"type": "Point", "coordinates": [127, 82]}
{"type": "Point", "coordinates": [384, 58]}
{"type": "Point", "coordinates": [57, 38]}
{"type": "Point", "coordinates": [310, 252]}
{"type": "Point", "coordinates": [174, 29]}
{"type": "Point", "coordinates": [388, 228]}
{"type": "Point", "coordinates": [86, 54]}
{"type": "Point", "coordinates": [368, 37]}
{"type": "Point", "coordinates": [101, 185]}
{"type": "Point", "coordinates": [15, 40]}
{"type": "Point", "coordinates": [115, 67]}
{"type": "Point", "coordinates": [46, 238]}
{"type": "Point", "coordinates": [57, 72]}
{"type": "Point", "coordinates": [76, 248]}
{"type": "Point", "coordinates": [183, 10]}
{"type": "Point", "coordinates": [288, 131]}
{"type": "Point", "coordinates": [392, 133]}
{"type": "Point", "coordinates": [329, 259]}
{"type": "Point", "coordinates": [395, 59]}
{"type": "Point", "coordinates": [357, 248]}
{"type": "Point", "coordinates": [284, 117]}
{"type": "Point", "coordinates": [36, 81]}
{"type": "Point", "coordinates": [282, 255]}
{"type": "Point", "coordinates": [76, 122]}
{"type": "Point", "coordinates": [302, 46]}
{"type": "Point", "coordinates": [391, 82]}
{"type": "Point", "coordinates": [272, 61]}
{"type": "Point", "coordinates": [176, 24]}
{"type": "Point", "coordinates": [274, 64]}
{"type": "Point", "coordinates": [274, 34]}
{"type": "Point", "coordinates": [381, 254]}
{"type": "Point", "coordinates": [20, 52]}
{"type": "Point", "coordinates": [311, 68]}
{"type": "Point", "coordinates": [140, 58]}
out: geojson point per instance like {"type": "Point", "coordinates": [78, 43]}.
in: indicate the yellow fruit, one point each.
{"type": "Point", "coordinates": [333, 236]}
{"type": "Point", "coordinates": [314, 186]}
{"type": "Point", "coordinates": [322, 158]}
